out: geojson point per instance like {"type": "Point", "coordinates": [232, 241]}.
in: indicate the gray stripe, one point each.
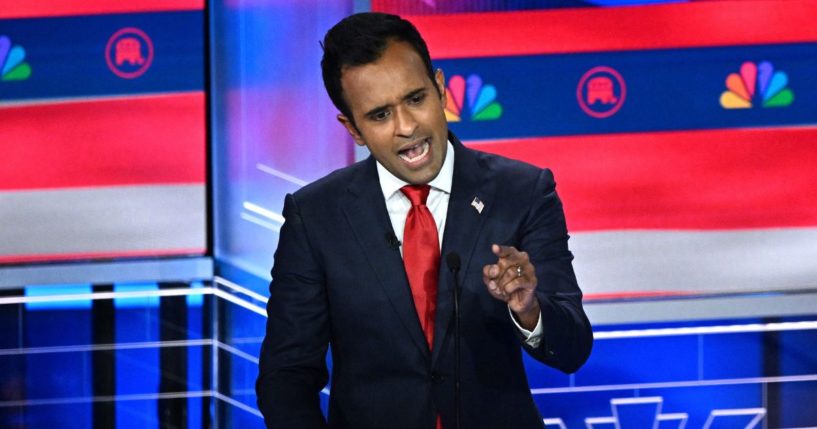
{"type": "Point", "coordinates": [707, 262]}
{"type": "Point", "coordinates": [102, 220]}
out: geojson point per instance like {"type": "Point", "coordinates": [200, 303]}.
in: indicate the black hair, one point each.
{"type": "Point", "coordinates": [361, 39]}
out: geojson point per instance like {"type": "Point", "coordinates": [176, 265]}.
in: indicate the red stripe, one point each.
{"type": "Point", "coordinates": [124, 141]}
{"type": "Point", "coordinates": [49, 8]}
{"type": "Point", "coordinates": [679, 25]}
{"type": "Point", "coordinates": [91, 256]}
{"type": "Point", "coordinates": [690, 180]}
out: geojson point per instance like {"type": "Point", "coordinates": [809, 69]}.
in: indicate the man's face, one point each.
{"type": "Point", "coordinates": [398, 112]}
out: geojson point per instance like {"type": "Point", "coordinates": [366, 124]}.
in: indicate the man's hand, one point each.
{"type": "Point", "coordinates": [512, 279]}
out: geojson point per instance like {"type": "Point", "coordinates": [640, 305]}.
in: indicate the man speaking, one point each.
{"type": "Point", "coordinates": [370, 255]}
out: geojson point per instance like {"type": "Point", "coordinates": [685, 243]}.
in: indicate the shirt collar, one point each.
{"type": "Point", "coordinates": [390, 184]}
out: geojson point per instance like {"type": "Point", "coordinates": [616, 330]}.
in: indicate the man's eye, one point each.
{"type": "Point", "coordinates": [417, 99]}
{"type": "Point", "coordinates": [381, 116]}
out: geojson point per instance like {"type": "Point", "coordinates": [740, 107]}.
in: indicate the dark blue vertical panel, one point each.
{"type": "Point", "coordinates": [64, 375]}
{"type": "Point", "coordinates": [137, 370]}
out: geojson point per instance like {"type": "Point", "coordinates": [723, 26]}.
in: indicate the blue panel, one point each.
{"type": "Point", "coordinates": [542, 376]}
{"type": "Point", "coordinates": [797, 404]}
{"type": "Point", "coordinates": [732, 355]}
{"type": "Point", "coordinates": [675, 89]}
{"type": "Point", "coordinates": [137, 370]}
{"type": "Point", "coordinates": [58, 416]}
{"type": "Point", "coordinates": [796, 350]}
{"type": "Point", "coordinates": [67, 55]}
{"type": "Point", "coordinates": [641, 360]}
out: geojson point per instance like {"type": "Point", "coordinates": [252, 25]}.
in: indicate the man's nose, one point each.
{"type": "Point", "coordinates": [404, 122]}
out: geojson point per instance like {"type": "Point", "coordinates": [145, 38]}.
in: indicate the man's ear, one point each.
{"type": "Point", "coordinates": [439, 79]}
{"type": "Point", "coordinates": [352, 129]}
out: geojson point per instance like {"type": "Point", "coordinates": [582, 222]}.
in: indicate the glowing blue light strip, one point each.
{"type": "Point", "coordinates": [136, 294]}
{"type": "Point", "coordinates": [604, 335]}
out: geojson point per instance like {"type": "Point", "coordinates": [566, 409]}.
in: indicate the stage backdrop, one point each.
{"type": "Point", "coordinates": [681, 134]}
{"type": "Point", "coordinates": [102, 129]}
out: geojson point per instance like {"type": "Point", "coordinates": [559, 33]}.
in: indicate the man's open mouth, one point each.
{"type": "Point", "coordinates": [417, 152]}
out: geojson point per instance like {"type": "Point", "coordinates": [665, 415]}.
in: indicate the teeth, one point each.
{"type": "Point", "coordinates": [424, 145]}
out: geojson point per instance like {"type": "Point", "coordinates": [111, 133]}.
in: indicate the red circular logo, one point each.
{"type": "Point", "coordinates": [601, 92]}
{"type": "Point", "coordinates": [129, 53]}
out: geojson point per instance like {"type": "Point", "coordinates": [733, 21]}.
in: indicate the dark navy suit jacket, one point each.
{"type": "Point", "coordinates": [337, 279]}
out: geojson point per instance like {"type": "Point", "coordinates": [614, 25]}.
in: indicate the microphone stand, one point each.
{"type": "Point", "coordinates": [453, 262]}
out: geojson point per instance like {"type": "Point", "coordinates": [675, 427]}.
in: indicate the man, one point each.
{"type": "Point", "coordinates": [360, 262]}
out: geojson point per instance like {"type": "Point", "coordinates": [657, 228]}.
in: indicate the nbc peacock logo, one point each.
{"type": "Point", "coordinates": [757, 84]}
{"type": "Point", "coordinates": [481, 100]}
{"type": "Point", "coordinates": [12, 61]}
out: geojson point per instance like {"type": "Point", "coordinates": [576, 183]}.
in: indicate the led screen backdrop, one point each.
{"type": "Point", "coordinates": [682, 134]}
{"type": "Point", "coordinates": [102, 129]}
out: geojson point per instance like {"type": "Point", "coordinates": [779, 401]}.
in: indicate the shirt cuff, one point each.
{"type": "Point", "coordinates": [532, 338]}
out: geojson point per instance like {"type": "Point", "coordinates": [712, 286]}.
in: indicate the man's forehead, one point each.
{"type": "Point", "coordinates": [396, 74]}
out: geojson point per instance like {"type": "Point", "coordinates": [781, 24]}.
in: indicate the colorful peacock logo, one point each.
{"type": "Point", "coordinates": [12, 61]}
{"type": "Point", "coordinates": [756, 82]}
{"type": "Point", "coordinates": [481, 99]}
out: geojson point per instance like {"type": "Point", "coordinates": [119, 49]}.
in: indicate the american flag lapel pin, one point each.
{"type": "Point", "coordinates": [478, 205]}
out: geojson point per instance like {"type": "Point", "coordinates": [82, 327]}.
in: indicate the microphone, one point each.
{"type": "Point", "coordinates": [452, 259]}
{"type": "Point", "coordinates": [392, 241]}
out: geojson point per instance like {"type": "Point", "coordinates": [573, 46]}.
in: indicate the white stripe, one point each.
{"type": "Point", "coordinates": [260, 222]}
{"type": "Point", "coordinates": [103, 220]}
{"type": "Point", "coordinates": [637, 401]}
{"type": "Point", "coordinates": [267, 213]}
{"type": "Point", "coordinates": [696, 262]}
{"type": "Point", "coordinates": [554, 422]}
{"type": "Point", "coordinates": [707, 330]}
{"type": "Point", "coordinates": [237, 352]}
{"type": "Point", "coordinates": [238, 404]}
{"type": "Point", "coordinates": [234, 286]}
{"type": "Point", "coordinates": [757, 412]}
{"type": "Point", "coordinates": [240, 302]}
{"type": "Point", "coordinates": [281, 175]}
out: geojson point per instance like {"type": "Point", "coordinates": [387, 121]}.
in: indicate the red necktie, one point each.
{"type": "Point", "coordinates": [421, 256]}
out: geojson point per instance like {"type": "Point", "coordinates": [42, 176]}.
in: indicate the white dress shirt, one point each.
{"type": "Point", "coordinates": [398, 206]}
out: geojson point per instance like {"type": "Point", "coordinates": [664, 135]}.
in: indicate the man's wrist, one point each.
{"type": "Point", "coordinates": [529, 318]}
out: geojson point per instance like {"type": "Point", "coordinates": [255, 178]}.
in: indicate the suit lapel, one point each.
{"type": "Point", "coordinates": [365, 210]}
{"type": "Point", "coordinates": [462, 228]}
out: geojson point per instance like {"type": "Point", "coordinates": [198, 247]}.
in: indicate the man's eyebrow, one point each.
{"type": "Point", "coordinates": [385, 106]}
{"type": "Point", "coordinates": [414, 93]}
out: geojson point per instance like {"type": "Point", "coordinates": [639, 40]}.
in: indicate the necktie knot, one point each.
{"type": "Point", "coordinates": [417, 194]}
